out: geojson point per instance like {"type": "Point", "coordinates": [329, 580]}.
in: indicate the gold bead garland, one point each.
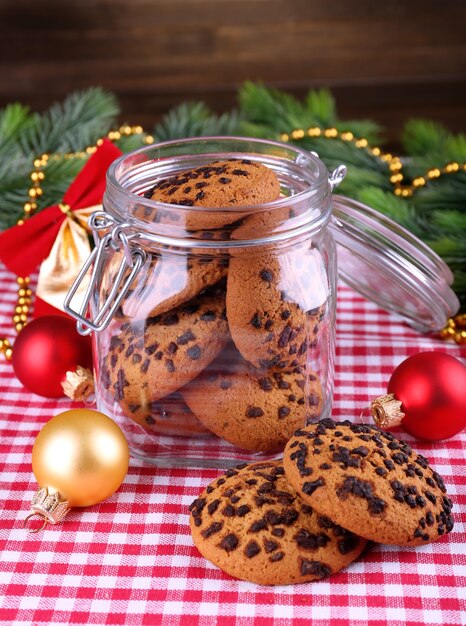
{"type": "Point", "coordinates": [394, 162]}
{"type": "Point", "coordinates": [37, 177]}
{"type": "Point", "coordinates": [456, 327]}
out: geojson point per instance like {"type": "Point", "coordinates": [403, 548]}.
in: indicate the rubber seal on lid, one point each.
{"type": "Point", "coordinates": [390, 266]}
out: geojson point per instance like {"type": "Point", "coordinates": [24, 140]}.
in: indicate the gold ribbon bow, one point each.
{"type": "Point", "coordinates": [68, 254]}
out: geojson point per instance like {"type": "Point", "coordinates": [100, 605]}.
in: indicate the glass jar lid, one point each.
{"type": "Point", "coordinates": [390, 266]}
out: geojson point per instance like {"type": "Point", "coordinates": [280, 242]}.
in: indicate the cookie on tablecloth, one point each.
{"type": "Point", "coordinates": [369, 481]}
{"type": "Point", "coordinates": [252, 524]}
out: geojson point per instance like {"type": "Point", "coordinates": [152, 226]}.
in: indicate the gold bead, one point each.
{"type": "Point", "coordinates": [19, 326]}
{"type": "Point", "coordinates": [100, 142]}
{"type": "Point", "coordinates": [330, 133]}
{"type": "Point", "coordinates": [406, 192]}
{"type": "Point", "coordinates": [298, 133]}
{"type": "Point", "coordinates": [37, 162]}
{"type": "Point", "coordinates": [397, 191]}
{"type": "Point", "coordinates": [4, 343]}
{"type": "Point", "coordinates": [34, 176]}
{"type": "Point", "coordinates": [20, 280]}
{"type": "Point", "coordinates": [376, 151]}
{"type": "Point", "coordinates": [452, 167]}
{"type": "Point", "coordinates": [348, 136]}
{"type": "Point", "coordinates": [32, 192]}
{"type": "Point", "coordinates": [23, 317]}
{"type": "Point", "coordinates": [40, 175]}
{"type": "Point", "coordinates": [361, 143]}
{"type": "Point", "coordinates": [21, 300]}
{"type": "Point", "coordinates": [8, 353]}
{"type": "Point", "coordinates": [28, 292]}
{"type": "Point", "coordinates": [420, 181]}
{"type": "Point", "coordinates": [434, 173]}
{"type": "Point", "coordinates": [283, 137]}
{"type": "Point", "coordinates": [137, 130]}
{"type": "Point", "coordinates": [27, 208]}
{"type": "Point", "coordinates": [27, 280]}
{"type": "Point", "coordinates": [45, 157]}
{"type": "Point", "coordinates": [24, 309]}
{"type": "Point", "coordinates": [20, 222]}
{"type": "Point", "coordinates": [396, 178]}
{"type": "Point", "coordinates": [91, 149]}
{"type": "Point", "coordinates": [16, 318]}
{"type": "Point", "coordinates": [21, 292]}
{"type": "Point", "coordinates": [150, 139]}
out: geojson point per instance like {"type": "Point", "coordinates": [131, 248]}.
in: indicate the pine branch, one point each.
{"type": "Point", "coordinates": [84, 117]}
{"type": "Point", "coordinates": [14, 120]}
{"type": "Point", "coordinates": [195, 119]}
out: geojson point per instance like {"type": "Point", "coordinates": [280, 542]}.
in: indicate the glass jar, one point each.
{"type": "Point", "coordinates": [215, 326]}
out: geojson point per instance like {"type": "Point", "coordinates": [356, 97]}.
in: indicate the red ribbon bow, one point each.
{"type": "Point", "coordinates": [24, 247]}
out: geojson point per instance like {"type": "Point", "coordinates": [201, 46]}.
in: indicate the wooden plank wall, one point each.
{"type": "Point", "coordinates": [389, 60]}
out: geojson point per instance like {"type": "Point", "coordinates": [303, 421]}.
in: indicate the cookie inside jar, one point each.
{"type": "Point", "coordinates": [222, 346]}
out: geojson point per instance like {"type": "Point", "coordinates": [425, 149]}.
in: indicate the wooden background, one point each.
{"type": "Point", "coordinates": [385, 59]}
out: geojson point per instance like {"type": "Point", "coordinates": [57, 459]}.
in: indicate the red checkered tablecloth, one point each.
{"type": "Point", "coordinates": [130, 560]}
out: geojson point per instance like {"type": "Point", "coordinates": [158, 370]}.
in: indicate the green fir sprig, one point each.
{"type": "Point", "coordinates": [436, 212]}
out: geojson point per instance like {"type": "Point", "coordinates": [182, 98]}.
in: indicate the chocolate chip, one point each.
{"type": "Point", "coordinates": [348, 544]}
{"type": "Point", "coordinates": [256, 321]}
{"type": "Point", "coordinates": [252, 549]}
{"type": "Point", "coordinates": [266, 275]}
{"type": "Point", "coordinates": [228, 511]}
{"type": "Point", "coordinates": [172, 348]}
{"type": "Point", "coordinates": [314, 568]}
{"type": "Point", "coordinates": [200, 185]}
{"type": "Point", "coordinates": [194, 352]}
{"type": "Point", "coordinates": [285, 336]}
{"type": "Point", "coordinates": [238, 172]}
{"type": "Point", "coordinates": [208, 316]}
{"type": "Point", "coordinates": [224, 180]}
{"type": "Point", "coordinates": [258, 525]}
{"type": "Point", "coordinates": [283, 411]}
{"type": "Point", "coordinates": [289, 516]}
{"type": "Point", "coordinates": [225, 384]}
{"type": "Point", "coordinates": [285, 315]}
{"type": "Point", "coordinates": [242, 510]}
{"type": "Point", "coordinates": [325, 466]}
{"type": "Point", "coordinates": [200, 194]}
{"type": "Point", "coordinates": [278, 532]}
{"type": "Point", "coordinates": [171, 320]}
{"type": "Point", "coordinates": [170, 365]}
{"type": "Point", "coordinates": [254, 411]}
{"type": "Point", "coordinates": [265, 384]}
{"type": "Point", "coordinates": [380, 471]}
{"type": "Point", "coordinates": [229, 542]}
{"type": "Point", "coordinates": [215, 527]}
{"type": "Point", "coordinates": [185, 338]}
{"type": "Point", "coordinates": [213, 506]}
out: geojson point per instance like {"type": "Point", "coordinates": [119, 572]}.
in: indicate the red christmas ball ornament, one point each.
{"type": "Point", "coordinates": [45, 350]}
{"type": "Point", "coordinates": [426, 395]}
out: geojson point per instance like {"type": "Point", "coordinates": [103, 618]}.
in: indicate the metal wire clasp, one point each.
{"type": "Point", "coordinates": [337, 176]}
{"type": "Point", "coordinates": [116, 239]}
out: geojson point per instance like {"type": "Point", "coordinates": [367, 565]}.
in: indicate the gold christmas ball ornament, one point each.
{"type": "Point", "coordinates": [79, 458]}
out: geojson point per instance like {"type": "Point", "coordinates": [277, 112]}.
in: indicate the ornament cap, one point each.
{"type": "Point", "coordinates": [50, 507]}
{"type": "Point", "coordinates": [79, 384]}
{"type": "Point", "coordinates": [386, 411]}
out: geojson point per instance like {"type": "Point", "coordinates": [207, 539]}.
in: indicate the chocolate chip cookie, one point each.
{"type": "Point", "coordinates": [275, 302]}
{"type": "Point", "coordinates": [170, 280]}
{"type": "Point", "coordinates": [167, 416]}
{"type": "Point", "coordinates": [149, 360]}
{"type": "Point", "coordinates": [220, 185]}
{"type": "Point", "coordinates": [251, 409]}
{"type": "Point", "coordinates": [252, 524]}
{"type": "Point", "coordinates": [368, 481]}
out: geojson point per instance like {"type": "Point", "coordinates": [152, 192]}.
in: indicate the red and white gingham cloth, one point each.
{"type": "Point", "coordinates": [130, 560]}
